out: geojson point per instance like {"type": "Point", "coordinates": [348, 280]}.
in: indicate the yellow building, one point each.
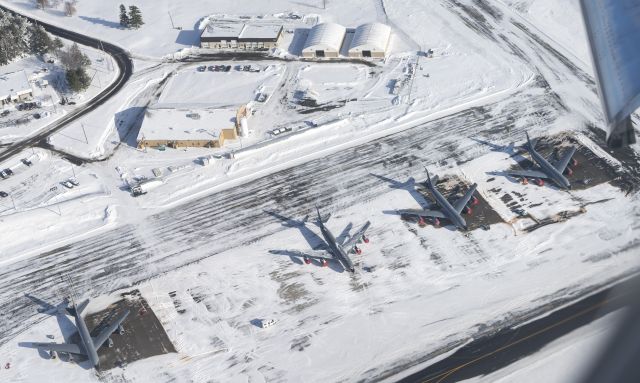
{"type": "Point", "coordinates": [181, 127]}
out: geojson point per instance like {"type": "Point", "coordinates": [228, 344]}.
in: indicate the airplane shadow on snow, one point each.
{"type": "Point", "coordinates": [67, 328]}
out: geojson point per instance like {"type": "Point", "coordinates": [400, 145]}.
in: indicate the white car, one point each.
{"type": "Point", "coordinates": [67, 184]}
{"type": "Point", "coordinates": [73, 181]}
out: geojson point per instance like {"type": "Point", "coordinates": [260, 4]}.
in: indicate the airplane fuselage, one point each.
{"type": "Point", "coordinates": [448, 210]}
{"type": "Point", "coordinates": [336, 249]}
{"type": "Point", "coordinates": [87, 342]}
{"type": "Point", "coordinates": [549, 169]}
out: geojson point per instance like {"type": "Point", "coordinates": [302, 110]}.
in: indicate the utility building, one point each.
{"type": "Point", "coordinates": [14, 87]}
{"type": "Point", "coordinates": [324, 40]}
{"type": "Point", "coordinates": [370, 40]}
{"type": "Point", "coordinates": [179, 128]}
{"type": "Point", "coordinates": [241, 36]}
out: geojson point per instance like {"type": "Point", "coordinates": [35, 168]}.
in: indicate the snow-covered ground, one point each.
{"type": "Point", "coordinates": [208, 232]}
{"type": "Point", "coordinates": [564, 360]}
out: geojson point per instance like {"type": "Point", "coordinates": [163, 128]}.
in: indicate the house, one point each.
{"type": "Point", "coordinates": [185, 127]}
{"type": "Point", "coordinates": [14, 87]}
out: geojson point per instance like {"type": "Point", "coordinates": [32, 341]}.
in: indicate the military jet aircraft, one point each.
{"type": "Point", "coordinates": [337, 252]}
{"type": "Point", "coordinates": [448, 210]}
{"type": "Point", "coordinates": [88, 345]}
{"type": "Point", "coordinates": [546, 169]}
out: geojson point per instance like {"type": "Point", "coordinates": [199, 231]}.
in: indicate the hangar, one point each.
{"type": "Point", "coordinates": [241, 36]}
{"type": "Point", "coordinates": [324, 40]}
{"type": "Point", "coordinates": [370, 40]}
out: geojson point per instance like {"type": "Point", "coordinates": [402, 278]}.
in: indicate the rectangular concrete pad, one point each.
{"type": "Point", "coordinates": [144, 335]}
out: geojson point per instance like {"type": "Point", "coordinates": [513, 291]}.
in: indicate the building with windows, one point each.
{"type": "Point", "coordinates": [241, 36]}
{"type": "Point", "coordinates": [324, 40]}
{"type": "Point", "coordinates": [370, 40]}
{"type": "Point", "coordinates": [14, 87]}
{"type": "Point", "coordinates": [186, 127]}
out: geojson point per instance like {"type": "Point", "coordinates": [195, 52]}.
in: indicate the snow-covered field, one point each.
{"type": "Point", "coordinates": [208, 233]}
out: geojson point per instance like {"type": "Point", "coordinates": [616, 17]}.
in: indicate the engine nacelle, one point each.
{"type": "Point", "coordinates": [324, 263]}
{"type": "Point", "coordinates": [568, 171]}
{"type": "Point", "coordinates": [120, 330]}
{"type": "Point", "coordinates": [53, 354]}
{"type": "Point", "coordinates": [421, 222]}
{"type": "Point", "coordinates": [475, 200]}
{"type": "Point", "coordinates": [357, 250]}
{"type": "Point", "coordinates": [574, 162]}
{"type": "Point", "coordinates": [540, 182]}
{"type": "Point", "coordinates": [436, 222]}
{"type": "Point", "coordinates": [365, 239]}
{"type": "Point", "coordinates": [306, 260]}
{"type": "Point", "coordinates": [109, 342]}
{"type": "Point", "coordinates": [525, 181]}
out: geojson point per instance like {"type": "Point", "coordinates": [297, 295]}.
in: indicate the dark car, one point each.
{"type": "Point", "coordinates": [4, 113]}
{"type": "Point", "coordinates": [3, 194]}
{"type": "Point", "coordinates": [8, 171]}
{"type": "Point", "coordinates": [227, 68]}
{"type": "Point", "coordinates": [36, 115]}
{"type": "Point", "coordinates": [202, 68]}
{"type": "Point", "coordinates": [211, 68]}
{"type": "Point", "coordinates": [26, 162]}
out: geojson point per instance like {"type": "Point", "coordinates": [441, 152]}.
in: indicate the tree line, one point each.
{"type": "Point", "coordinates": [131, 20]}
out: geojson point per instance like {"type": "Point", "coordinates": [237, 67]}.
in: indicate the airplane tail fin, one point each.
{"type": "Point", "coordinates": [428, 177]}
{"type": "Point", "coordinates": [72, 311]}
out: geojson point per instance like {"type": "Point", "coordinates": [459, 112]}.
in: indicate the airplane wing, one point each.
{"type": "Point", "coordinates": [356, 237]}
{"type": "Point", "coordinates": [423, 213]}
{"type": "Point", "coordinates": [315, 254]}
{"type": "Point", "coordinates": [613, 27]}
{"type": "Point", "coordinates": [564, 161]}
{"type": "Point", "coordinates": [104, 334]}
{"type": "Point", "coordinates": [527, 173]}
{"type": "Point", "coordinates": [69, 348]}
{"type": "Point", "coordinates": [462, 202]}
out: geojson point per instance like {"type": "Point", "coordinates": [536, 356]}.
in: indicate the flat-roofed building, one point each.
{"type": "Point", "coordinates": [324, 40]}
{"type": "Point", "coordinates": [14, 87]}
{"type": "Point", "coordinates": [241, 36]}
{"type": "Point", "coordinates": [370, 40]}
{"type": "Point", "coordinates": [186, 127]}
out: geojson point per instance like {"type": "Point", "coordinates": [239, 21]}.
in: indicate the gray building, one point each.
{"type": "Point", "coordinates": [241, 36]}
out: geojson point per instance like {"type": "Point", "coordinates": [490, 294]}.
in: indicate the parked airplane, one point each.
{"type": "Point", "coordinates": [546, 169]}
{"type": "Point", "coordinates": [448, 210]}
{"type": "Point", "coordinates": [338, 252]}
{"type": "Point", "coordinates": [88, 345]}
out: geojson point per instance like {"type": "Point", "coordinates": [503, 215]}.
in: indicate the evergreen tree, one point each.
{"type": "Point", "coordinates": [135, 17]}
{"type": "Point", "coordinates": [78, 79]}
{"type": "Point", "coordinates": [40, 42]}
{"type": "Point", "coordinates": [15, 37]}
{"type": "Point", "coordinates": [57, 44]}
{"type": "Point", "coordinates": [124, 19]}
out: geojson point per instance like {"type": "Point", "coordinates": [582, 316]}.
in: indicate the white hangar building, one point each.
{"type": "Point", "coordinates": [324, 40]}
{"type": "Point", "coordinates": [370, 40]}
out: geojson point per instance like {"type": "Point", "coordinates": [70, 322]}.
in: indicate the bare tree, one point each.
{"type": "Point", "coordinates": [70, 8]}
{"type": "Point", "coordinates": [42, 4]}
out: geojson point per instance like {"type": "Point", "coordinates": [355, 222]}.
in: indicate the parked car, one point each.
{"type": "Point", "coordinates": [202, 68]}
{"type": "Point", "coordinates": [8, 171]}
{"type": "Point", "coordinates": [227, 68]}
{"type": "Point", "coordinates": [3, 194]}
{"type": "Point", "coordinates": [4, 174]}
{"type": "Point", "coordinates": [26, 162]}
{"type": "Point", "coordinates": [211, 68]}
{"type": "Point", "coordinates": [71, 103]}
{"type": "Point", "coordinates": [36, 116]}
{"type": "Point", "coordinates": [74, 181]}
{"type": "Point", "coordinates": [4, 113]}
{"type": "Point", "coordinates": [67, 184]}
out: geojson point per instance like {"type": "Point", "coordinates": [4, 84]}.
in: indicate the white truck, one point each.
{"type": "Point", "coordinates": [144, 186]}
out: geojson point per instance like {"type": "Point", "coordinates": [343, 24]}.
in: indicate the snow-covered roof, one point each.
{"type": "Point", "coordinates": [371, 36]}
{"type": "Point", "coordinates": [14, 84]}
{"type": "Point", "coordinates": [222, 31]}
{"type": "Point", "coordinates": [327, 36]}
{"type": "Point", "coordinates": [260, 32]}
{"type": "Point", "coordinates": [185, 123]}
